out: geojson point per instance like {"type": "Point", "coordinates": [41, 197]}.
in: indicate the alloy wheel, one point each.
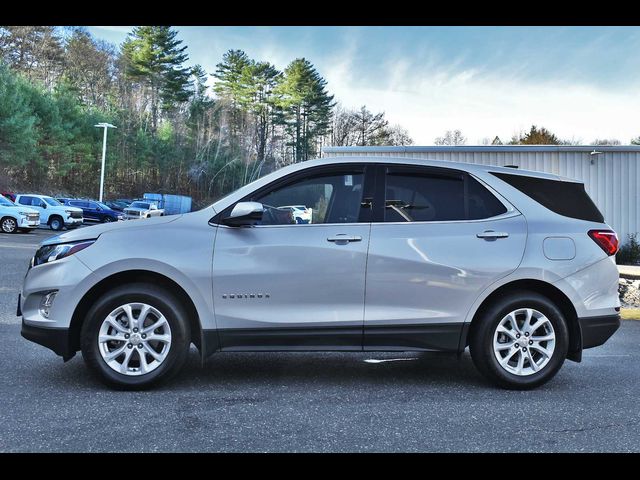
{"type": "Point", "coordinates": [9, 225]}
{"type": "Point", "coordinates": [524, 341]}
{"type": "Point", "coordinates": [134, 339]}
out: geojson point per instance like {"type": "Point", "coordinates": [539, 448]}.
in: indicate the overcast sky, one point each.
{"type": "Point", "coordinates": [581, 83]}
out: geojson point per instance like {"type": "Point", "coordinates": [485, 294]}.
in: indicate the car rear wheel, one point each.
{"type": "Point", "coordinates": [8, 225]}
{"type": "Point", "coordinates": [520, 342]}
{"type": "Point", "coordinates": [135, 336]}
{"type": "Point", "coordinates": [56, 223]}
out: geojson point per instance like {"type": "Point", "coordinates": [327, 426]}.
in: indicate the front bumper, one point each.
{"type": "Point", "coordinates": [29, 222]}
{"type": "Point", "coordinates": [56, 339]}
{"type": "Point", "coordinates": [73, 222]}
{"type": "Point", "coordinates": [597, 330]}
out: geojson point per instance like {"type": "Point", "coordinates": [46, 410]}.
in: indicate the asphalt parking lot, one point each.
{"type": "Point", "coordinates": [309, 401]}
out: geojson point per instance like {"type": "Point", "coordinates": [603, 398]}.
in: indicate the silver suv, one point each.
{"type": "Point", "coordinates": [401, 254]}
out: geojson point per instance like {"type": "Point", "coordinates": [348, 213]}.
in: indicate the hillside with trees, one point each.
{"type": "Point", "coordinates": [174, 132]}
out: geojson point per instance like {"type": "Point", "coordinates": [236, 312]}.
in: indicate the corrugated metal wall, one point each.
{"type": "Point", "coordinates": [611, 177]}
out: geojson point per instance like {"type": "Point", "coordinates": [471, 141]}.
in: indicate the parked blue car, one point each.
{"type": "Point", "coordinates": [92, 210]}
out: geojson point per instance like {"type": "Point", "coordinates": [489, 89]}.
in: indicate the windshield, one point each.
{"type": "Point", "coordinates": [140, 205]}
{"type": "Point", "coordinates": [103, 206]}
{"type": "Point", "coordinates": [5, 202]}
{"type": "Point", "coordinates": [52, 201]}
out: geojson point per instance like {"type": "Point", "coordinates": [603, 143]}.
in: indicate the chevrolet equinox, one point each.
{"type": "Point", "coordinates": [400, 255]}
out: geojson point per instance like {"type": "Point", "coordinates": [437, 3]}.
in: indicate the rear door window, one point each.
{"type": "Point", "coordinates": [421, 195]}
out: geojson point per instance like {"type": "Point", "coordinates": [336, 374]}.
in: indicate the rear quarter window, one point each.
{"type": "Point", "coordinates": [569, 199]}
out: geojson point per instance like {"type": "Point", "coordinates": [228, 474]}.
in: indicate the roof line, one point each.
{"type": "Point", "coordinates": [485, 148]}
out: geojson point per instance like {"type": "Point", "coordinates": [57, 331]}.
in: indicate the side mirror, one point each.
{"type": "Point", "coordinates": [43, 205]}
{"type": "Point", "coordinates": [243, 214]}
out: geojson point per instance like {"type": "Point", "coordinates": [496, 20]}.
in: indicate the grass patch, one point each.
{"type": "Point", "coordinates": [630, 313]}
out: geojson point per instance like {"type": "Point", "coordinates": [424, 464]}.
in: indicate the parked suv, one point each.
{"type": "Point", "coordinates": [93, 211]}
{"type": "Point", "coordinates": [401, 254]}
{"type": "Point", "coordinates": [51, 211]}
{"type": "Point", "coordinates": [15, 218]}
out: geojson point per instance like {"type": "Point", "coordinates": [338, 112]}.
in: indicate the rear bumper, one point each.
{"type": "Point", "coordinates": [597, 330]}
{"type": "Point", "coordinates": [56, 339]}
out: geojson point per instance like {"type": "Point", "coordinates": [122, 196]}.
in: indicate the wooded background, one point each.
{"type": "Point", "coordinates": [180, 129]}
{"type": "Point", "coordinates": [175, 134]}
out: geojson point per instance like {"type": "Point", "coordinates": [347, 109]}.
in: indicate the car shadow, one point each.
{"type": "Point", "coordinates": [337, 368]}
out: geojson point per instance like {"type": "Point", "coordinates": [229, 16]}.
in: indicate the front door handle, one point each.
{"type": "Point", "coordinates": [343, 239]}
{"type": "Point", "coordinates": [490, 235]}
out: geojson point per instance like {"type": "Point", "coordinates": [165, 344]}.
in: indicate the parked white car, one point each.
{"type": "Point", "coordinates": [15, 218]}
{"type": "Point", "coordinates": [51, 211]}
{"type": "Point", "coordinates": [140, 209]}
{"type": "Point", "coordinates": [301, 213]}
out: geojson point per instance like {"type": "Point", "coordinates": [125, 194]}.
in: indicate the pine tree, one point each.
{"type": "Point", "coordinates": [230, 88]}
{"type": "Point", "coordinates": [306, 106]}
{"type": "Point", "coordinates": [536, 136]}
{"type": "Point", "coordinates": [258, 80]}
{"type": "Point", "coordinates": [18, 123]}
{"type": "Point", "coordinates": [154, 57]}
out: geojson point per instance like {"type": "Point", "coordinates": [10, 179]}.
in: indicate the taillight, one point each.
{"type": "Point", "coordinates": [607, 240]}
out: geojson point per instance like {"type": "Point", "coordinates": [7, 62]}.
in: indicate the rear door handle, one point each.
{"type": "Point", "coordinates": [490, 234]}
{"type": "Point", "coordinates": [343, 239]}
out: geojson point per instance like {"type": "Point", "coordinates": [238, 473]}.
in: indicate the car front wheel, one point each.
{"type": "Point", "coordinates": [56, 223]}
{"type": "Point", "coordinates": [9, 225]}
{"type": "Point", "coordinates": [135, 336]}
{"type": "Point", "coordinates": [520, 342]}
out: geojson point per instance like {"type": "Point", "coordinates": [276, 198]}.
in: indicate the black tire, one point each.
{"type": "Point", "coordinates": [108, 219]}
{"type": "Point", "coordinates": [56, 223]}
{"type": "Point", "coordinates": [482, 336]}
{"type": "Point", "coordinates": [8, 225]}
{"type": "Point", "coordinates": [158, 298]}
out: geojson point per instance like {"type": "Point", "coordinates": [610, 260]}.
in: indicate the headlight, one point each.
{"type": "Point", "coordinates": [50, 253]}
{"type": "Point", "coordinates": [69, 212]}
{"type": "Point", "coordinates": [24, 214]}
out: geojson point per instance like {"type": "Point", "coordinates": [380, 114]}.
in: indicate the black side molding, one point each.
{"type": "Point", "coordinates": [345, 338]}
{"type": "Point", "coordinates": [443, 337]}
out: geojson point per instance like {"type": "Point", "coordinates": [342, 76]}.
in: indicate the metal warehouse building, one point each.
{"type": "Point", "coordinates": [611, 174]}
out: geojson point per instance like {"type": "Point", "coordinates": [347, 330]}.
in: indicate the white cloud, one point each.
{"type": "Point", "coordinates": [428, 102]}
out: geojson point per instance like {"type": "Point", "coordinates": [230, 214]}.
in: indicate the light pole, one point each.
{"type": "Point", "coordinates": [106, 126]}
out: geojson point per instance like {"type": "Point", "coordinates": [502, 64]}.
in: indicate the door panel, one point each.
{"type": "Point", "coordinates": [429, 274]}
{"type": "Point", "coordinates": [281, 285]}
{"type": "Point", "coordinates": [436, 254]}
{"type": "Point", "coordinates": [288, 287]}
